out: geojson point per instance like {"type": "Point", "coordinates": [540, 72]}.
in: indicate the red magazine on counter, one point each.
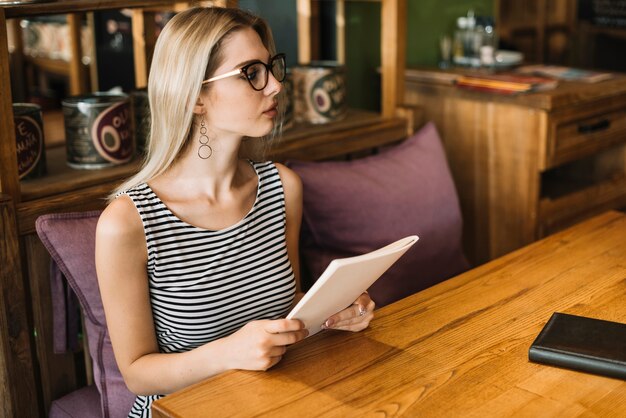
{"type": "Point", "coordinates": [506, 83]}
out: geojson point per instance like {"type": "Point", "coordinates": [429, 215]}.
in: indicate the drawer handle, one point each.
{"type": "Point", "coordinates": [594, 127]}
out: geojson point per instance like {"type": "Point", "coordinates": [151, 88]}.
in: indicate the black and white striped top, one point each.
{"type": "Point", "coordinates": [205, 284]}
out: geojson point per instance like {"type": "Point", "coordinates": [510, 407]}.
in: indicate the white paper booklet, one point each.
{"type": "Point", "coordinates": [343, 281]}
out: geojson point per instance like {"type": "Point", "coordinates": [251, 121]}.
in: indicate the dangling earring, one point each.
{"type": "Point", "coordinates": [204, 151]}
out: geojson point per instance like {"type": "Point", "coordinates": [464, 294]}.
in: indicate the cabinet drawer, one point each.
{"type": "Point", "coordinates": [579, 134]}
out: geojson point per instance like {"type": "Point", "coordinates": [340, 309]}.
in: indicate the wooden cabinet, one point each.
{"type": "Point", "coordinates": [528, 165]}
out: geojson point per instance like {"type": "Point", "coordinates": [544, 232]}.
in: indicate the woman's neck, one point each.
{"type": "Point", "coordinates": [210, 177]}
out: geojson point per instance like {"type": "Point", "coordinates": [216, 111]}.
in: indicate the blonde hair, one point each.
{"type": "Point", "coordinates": [188, 51]}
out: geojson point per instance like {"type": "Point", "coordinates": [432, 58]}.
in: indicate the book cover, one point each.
{"type": "Point", "coordinates": [583, 344]}
{"type": "Point", "coordinates": [565, 73]}
{"type": "Point", "coordinates": [343, 281]}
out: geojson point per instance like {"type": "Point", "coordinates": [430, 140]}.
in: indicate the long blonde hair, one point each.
{"type": "Point", "coordinates": [188, 51]}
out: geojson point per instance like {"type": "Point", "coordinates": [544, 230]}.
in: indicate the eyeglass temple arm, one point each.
{"type": "Point", "coordinates": [219, 77]}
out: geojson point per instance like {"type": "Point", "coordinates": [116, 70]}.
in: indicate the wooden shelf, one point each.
{"type": "Point", "coordinates": [316, 142]}
{"type": "Point", "coordinates": [61, 178]}
{"type": "Point", "coordinates": [75, 6]}
{"type": "Point", "coordinates": [303, 141]}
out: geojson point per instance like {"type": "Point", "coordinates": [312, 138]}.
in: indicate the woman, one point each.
{"type": "Point", "coordinates": [197, 256]}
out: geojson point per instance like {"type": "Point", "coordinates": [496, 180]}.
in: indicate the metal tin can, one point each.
{"type": "Point", "coordinates": [141, 118]}
{"type": "Point", "coordinates": [320, 92]}
{"type": "Point", "coordinates": [31, 152]}
{"type": "Point", "coordinates": [98, 130]}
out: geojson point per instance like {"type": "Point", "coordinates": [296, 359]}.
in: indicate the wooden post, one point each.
{"type": "Point", "coordinates": [304, 31]}
{"type": "Point", "coordinates": [9, 180]}
{"type": "Point", "coordinates": [340, 23]}
{"type": "Point", "coordinates": [78, 79]}
{"type": "Point", "coordinates": [143, 44]}
{"type": "Point", "coordinates": [18, 393]}
{"type": "Point", "coordinates": [93, 59]}
{"type": "Point", "coordinates": [19, 84]}
{"type": "Point", "coordinates": [393, 52]}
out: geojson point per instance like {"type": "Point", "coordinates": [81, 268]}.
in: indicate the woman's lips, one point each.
{"type": "Point", "coordinates": [272, 111]}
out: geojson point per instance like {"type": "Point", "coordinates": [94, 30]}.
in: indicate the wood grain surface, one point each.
{"type": "Point", "coordinates": [459, 348]}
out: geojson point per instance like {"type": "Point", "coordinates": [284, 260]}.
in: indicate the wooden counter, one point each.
{"type": "Point", "coordinates": [529, 164]}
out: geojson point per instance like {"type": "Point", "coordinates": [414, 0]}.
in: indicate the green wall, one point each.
{"type": "Point", "coordinates": [363, 54]}
{"type": "Point", "coordinates": [428, 20]}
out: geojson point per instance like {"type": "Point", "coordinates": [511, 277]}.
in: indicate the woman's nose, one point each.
{"type": "Point", "coordinates": [273, 85]}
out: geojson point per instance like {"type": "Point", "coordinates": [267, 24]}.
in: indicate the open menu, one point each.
{"type": "Point", "coordinates": [343, 281]}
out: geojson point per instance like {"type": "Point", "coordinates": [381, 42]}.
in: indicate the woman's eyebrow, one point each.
{"type": "Point", "coordinates": [243, 64]}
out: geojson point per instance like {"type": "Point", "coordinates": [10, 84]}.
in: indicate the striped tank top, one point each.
{"type": "Point", "coordinates": [205, 285]}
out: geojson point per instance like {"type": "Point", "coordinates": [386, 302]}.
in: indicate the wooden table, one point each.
{"type": "Point", "coordinates": [459, 348]}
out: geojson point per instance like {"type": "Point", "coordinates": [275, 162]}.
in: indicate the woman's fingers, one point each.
{"type": "Point", "coordinates": [355, 317]}
{"type": "Point", "coordinates": [283, 325]}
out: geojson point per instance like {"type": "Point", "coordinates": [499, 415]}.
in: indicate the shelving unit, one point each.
{"type": "Point", "coordinates": [31, 375]}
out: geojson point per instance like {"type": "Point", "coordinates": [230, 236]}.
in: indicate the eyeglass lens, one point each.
{"type": "Point", "coordinates": [258, 76]}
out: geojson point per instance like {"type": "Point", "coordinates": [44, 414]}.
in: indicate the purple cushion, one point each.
{"type": "Point", "coordinates": [82, 403]}
{"type": "Point", "coordinates": [352, 207]}
{"type": "Point", "coordinates": [70, 240]}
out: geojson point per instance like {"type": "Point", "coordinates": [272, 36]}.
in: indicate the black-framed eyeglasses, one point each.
{"type": "Point", "coordinates": [257, 72]}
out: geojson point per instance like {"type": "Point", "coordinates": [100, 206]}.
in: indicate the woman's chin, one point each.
{"type": "Point", "coordinates": [268, 129]}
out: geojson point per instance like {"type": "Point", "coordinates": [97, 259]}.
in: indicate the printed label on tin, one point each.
{"type": "Point", "coordinates": [29, 144]}
{"type": "Point", "coordinates": [111, 133]}
{"type": "Point", "coordinates": [328, 96]}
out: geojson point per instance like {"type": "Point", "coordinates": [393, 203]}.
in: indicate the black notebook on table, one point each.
{"type": "Point", "coordinates": [584, 344]}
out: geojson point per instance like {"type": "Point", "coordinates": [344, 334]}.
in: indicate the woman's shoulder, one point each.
{"type": "Point", "coordinates": [291, 181]}
{"type": "Point", "coordinates": [287, 174]}
{"type": "Point", "coordinates": [120, 220]}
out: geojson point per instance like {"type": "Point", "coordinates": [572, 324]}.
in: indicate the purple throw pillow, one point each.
{"type": "Point", "coordinates": [70, 240]}
{"type": "Point", "coordinates": [353, 207]}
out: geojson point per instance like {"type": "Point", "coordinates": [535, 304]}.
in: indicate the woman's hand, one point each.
{"type": "Point", "coordinates": [259, 345]}
{"type": "Point", "coordinates": [354, 318]}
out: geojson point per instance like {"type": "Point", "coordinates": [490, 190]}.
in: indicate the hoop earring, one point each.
{"type": "Point", "coordinates": [204, 151]}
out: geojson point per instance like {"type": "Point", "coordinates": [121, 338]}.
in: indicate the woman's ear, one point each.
{"type": "Point", "coordinates": [199, 108]}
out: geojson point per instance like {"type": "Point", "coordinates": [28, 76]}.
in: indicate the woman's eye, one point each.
{"type": "Point", "coordinates": [251, 74]}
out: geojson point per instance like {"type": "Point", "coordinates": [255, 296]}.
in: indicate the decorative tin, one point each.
{"type": "Point", "coordinates": [319, 92]}
{"type": "Point", "coordinates": [31, 154]}
{"type": "Point", "coordinates": [141, 118]}
{"type": "Point", "coordinates": [98, 130]}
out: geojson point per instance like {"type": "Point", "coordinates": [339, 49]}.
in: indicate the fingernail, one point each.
{"type": "Point", "coordinates": [362, 310]}
{"type": "Point", "coordinates": [329, 323]}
